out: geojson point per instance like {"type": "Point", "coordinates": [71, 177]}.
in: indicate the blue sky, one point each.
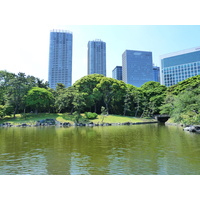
{"type": "Point", "coordinates": [25, 28]}
{"type": "Point", "coordinates": [158, 39]}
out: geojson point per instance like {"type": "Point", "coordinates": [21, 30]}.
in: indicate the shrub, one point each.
{"type": "Point", "coordinates": [90, 115]}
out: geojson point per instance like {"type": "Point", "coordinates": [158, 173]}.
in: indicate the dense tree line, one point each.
{"type": "Point", "coordinates": [182, 101]}
{"type": "Point", "coordinates": [23, 94]}
{"type": "Point", "coordinates": [14, 89]}
{"type": "Point", "coordinates": [92, 92]}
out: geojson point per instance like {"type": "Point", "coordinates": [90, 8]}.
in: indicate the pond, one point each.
{"type": "Point", "coordinates": [114, 150]}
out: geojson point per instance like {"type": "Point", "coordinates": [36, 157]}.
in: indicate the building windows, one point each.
{"type": "Point", "coordinates": [180, 66]}
{"type": "Point", "coordinates": [60, 58]}
{"type": "Point", "coordinates": [97, 57]}
{"type": "Point", "coordinates": [137, 67]}
{"type": "Point", "coordinates": [117, 73]}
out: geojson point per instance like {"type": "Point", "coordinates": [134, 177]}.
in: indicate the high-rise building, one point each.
{"type": "Point", "coordinates": [178, 66]}
{"type": "Point", "coordinates": [117, 73]}
{"type": "Point", "coordinates": [97, 57]}
{"type": "Point", "coordinates": [156, 73]}
{"type": "Point", "coordinates": [60, 58]}
{"type": "Point", "coordinates": [137, 67]}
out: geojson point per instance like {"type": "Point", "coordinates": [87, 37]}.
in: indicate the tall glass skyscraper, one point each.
{"type": "Point", "coordinates": [60, 58]}
{"type": "Point", "coordinates": [178, 66]}
{"type": "Point", "coordinates": [117, 73]}
{"type": "Point", "coordinates": [97, 57]}
{"type": "Point", "coordinates": [137, 67]}
{"type": "Point", "coordinates": [156, 73]}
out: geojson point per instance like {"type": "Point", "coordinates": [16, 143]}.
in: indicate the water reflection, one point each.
{"type": "Point", "coordinates": [139, 149]}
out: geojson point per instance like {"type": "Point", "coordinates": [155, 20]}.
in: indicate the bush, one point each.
{"type": "Point", "coordinates": [5, 110]}
{"type": "Point", "coordinates": [90, 115]}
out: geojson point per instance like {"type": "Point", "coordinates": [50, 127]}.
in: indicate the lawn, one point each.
{"type": "Point", "coordinates": [64, 117]}
{"type": "Point", "coordinates": [32, 118]}
{"type": "Point", "coordinates": [118, 119]}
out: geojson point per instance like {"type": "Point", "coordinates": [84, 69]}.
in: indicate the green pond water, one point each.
{"type": "Point", "coordinates": [137, 150]}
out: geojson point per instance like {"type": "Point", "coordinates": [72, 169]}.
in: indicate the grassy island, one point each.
{"type": "Point", "coordinates": [65, 117]}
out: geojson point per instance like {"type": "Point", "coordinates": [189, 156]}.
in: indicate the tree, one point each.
{"type": "Point", "coordinates": [110, 89]}
{"type": "Point", "coordinates": [192, 83]}
{"type": "Point", "coordinates": [64, 98]}
{"type": "Point", "coordinates": [2, 111]}
{"type": "Point", "coordinates": [14, 88]}
{"type": "Point", "coordinates": [5, 77]}
{"type": "Point", "coordinates": [168, 105]}
{"type": "Point", "coordinates": [5, 110]}
{"type": "Point", "coordinates": [86, 85]}
{"type": "Point", "coordinates": [17, 89]}
{"type": "Point", "coordinates": [60, 97]}
{"type": "Point", "coordinates": [154, 94]}
{"type": "Point", "coordinates": [79, 104]}
{"type": "Point", "coordinates": [131, 100]}
{"type": "Point", "coordinates": [187, 107]}
{"type": "Point", "coordinates": [78, 101]}
{"type": "Point", "coordinates": [39, 98]}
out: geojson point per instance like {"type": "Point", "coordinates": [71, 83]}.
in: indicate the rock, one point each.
{"type": "Point", "coordinates": [7, 125]}
{"type": "Point", "coordinates": [66, 124]}
{"type": "Point", "coordinates": [195, 129]}
{"type": "Point", "coordinates": [24, 125]}
{"type": "Point", "coordinates": [126, 123]}
{"type": "Point", "coordinates": [91, 124]}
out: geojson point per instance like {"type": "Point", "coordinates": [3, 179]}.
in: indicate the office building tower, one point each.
{"type": "Point", "coordinates": [117, 73]}
{"type": "Point", "coordinates": [137, 67]}
{"type": "Point", "coordinates": [156, 73]}
{"type": "Point", "coordinates": [178, 66]}
{"type": "Point", "coordinates": [60, 58]}
{"type": "Point", "coordinates": [97, 57]}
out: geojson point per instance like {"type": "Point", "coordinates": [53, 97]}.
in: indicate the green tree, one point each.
{"type": "Point", "coordinates": [168, 105]}
{"type": "Point", "coordinates": [154, 94]}
{"type": "Point", "coordinates": [17, 90]}
{"type": "Point", "coordinates": [64, 99]}
{"type": "Point", "coordinates": [13, 90]}
{"type": "Point", "coordinates": [5, 77]}
{"type": "Point", "coordinates": [187, 107]}
{"type": "Point", "coordinates": [192, 83]}
{"type": "Point", "coordinates": [5, 110]}
{"type": "Point", "coordinates": [110, 89]}
{"type": "Point", "coordinates": [86, 85]}
{"type": "Point", "coordinates": [2, 111]}
{"type": "Point", "coordinates": [78, 101]}
{"type": "Point", "coordinates": [39, 98]}
{"type": "Point", "coordinates": [60, 97]}
{"type": "Point", "coordinates": [131, 100]}
{"type": "Point", "coordinates": [182, 101]}
{"type": "Point", "coordinates": [79, 104]}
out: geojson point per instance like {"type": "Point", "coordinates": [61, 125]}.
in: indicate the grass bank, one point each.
{"type": "Point", "coordinates": [119, 119]}
{"type": "Point", "coordinates": [65, 117]}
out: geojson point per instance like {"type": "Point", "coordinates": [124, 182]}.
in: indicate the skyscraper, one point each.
{"type": "Point", "coordinates": [137, 67]}
{"type": "Point", "coordinates": [178, 66]}
{"type": "Point", "coordinates": [97, 57]}
{"type": "Point", "coordinates": [117, 73]}
{"type": "Point", "coordinates": [60, 58]}
{"type": "Point", "coordinates": [156, 73]}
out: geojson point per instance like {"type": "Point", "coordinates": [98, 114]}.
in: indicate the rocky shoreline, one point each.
{"type": "Point", "coordinates": [189, 128]}
{"type": "Point", "coordinates": [192, 128]}
{"type": "Point", "coordinates": [52, 122]}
